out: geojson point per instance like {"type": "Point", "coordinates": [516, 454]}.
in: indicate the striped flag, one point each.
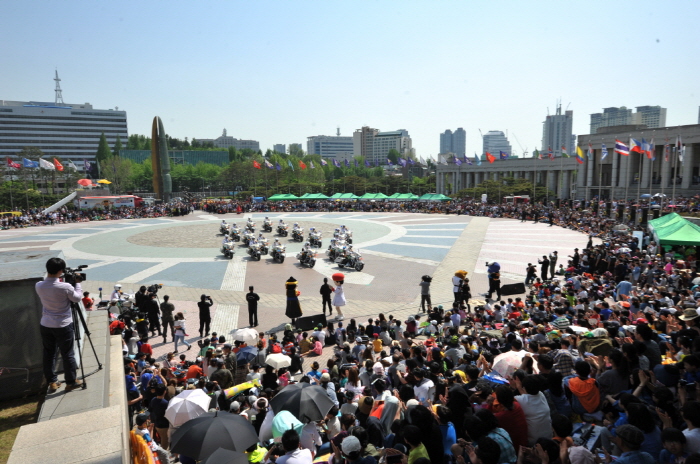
{"type": "Point", "coordinates": [589, 153]}
{"type": "Point", "coordinates": [336, 163]}
{"type": "Point", "coordinates": [635, 145]}
{"type": "Point", "coordinates": [269, 165]}
{"type": "Point", "coordinates": [621, 148]}
{"type": "Point", "coordinates": [579, 155]}
{"type": "Point", "coordinates": [550, 154]}
{"type": "Point", "coordinates": [564, 153]}
{"type": "Point", "coordinates": [651, 150]}
{"type": "Point", "coordinates": [458, 162]}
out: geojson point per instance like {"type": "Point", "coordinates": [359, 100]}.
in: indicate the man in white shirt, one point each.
{"type": "Point", "coordinates": [424, 390]}
{"type": "Point", "coordinates": [293, 454]}
{"type": "Point", "coordinates": [536, 409]}
{"type": "Point", "coordinates": [310, 438]}
{"type": "Point", "coordinates": [320, 335]}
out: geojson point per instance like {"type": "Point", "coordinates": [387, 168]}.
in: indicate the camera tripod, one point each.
{"type": "Point", "coordinates": [77, 314]}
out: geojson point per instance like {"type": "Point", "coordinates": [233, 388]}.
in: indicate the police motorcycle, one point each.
{"type": "Point", "coordinates": [307, 256]}
{"type": "Point", "coordinates": [264, 244]}
{"type": "Point", "coordinates": [267, 225]}
{"type": "Point", "coordinates": [297, 233]}
{"type": "Point", "coordinates": [235, 233]}
{"type": "Point", "coordinates": [351, 259]}
{"type": "Point", "coordinates": [254, 249]}
{"type": "Point", "coordinates": [224, 228]}
{"type": "Point", "coordinates": [282, 229]}
{"type": "Point", "coordinates": [278, 251]}
{"type": "Point", "coordinates": [335, 249]}
{"type": "Point", "coordinates": [343, 233]}
{"type": "Point", "coordinates": [248, 236]}
{"type": "Point", "coordinates": [227, 248]}
{"type": "Point", "coordinates": [315, 237]}
{"type": "Point", "coordinates": [250, 225]}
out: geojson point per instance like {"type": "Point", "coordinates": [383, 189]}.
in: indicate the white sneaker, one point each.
{"type": "Point", "coordinates": [340, 318]}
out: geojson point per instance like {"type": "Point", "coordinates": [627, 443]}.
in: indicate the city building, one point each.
{"type": "Point", "coordinates": [383, 142]}
{"type": "Point", "coordinates": [329, 146]}
{"type": "Point", "coordinates": [363, 141]}
{"type": "Point", "coordinates": [226, 141]}
{"type": "Point", "coordinates": [295, 147]}
{"type": "Point", "coordinates": [454, 142]}
{"type": "Point", "coordinates": [496, 142]}
{"type": "Point", "coordinates": [181, 156]}
{"type": "Point", "coordinates": [651, 116]}
{"type": "Point", "coordinates": [279, 148]}
{"type": "Point", "coordinates": [557, 132]}
{"type": "Point", "coordinates": [67, 131]}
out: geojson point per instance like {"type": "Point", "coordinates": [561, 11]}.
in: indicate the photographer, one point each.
{"type": "Point", "coordinates": [57, 332]}
{"type": "Point", "coordinates": [204, 314]}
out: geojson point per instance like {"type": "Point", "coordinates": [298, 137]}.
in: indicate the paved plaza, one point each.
{"type": "Point", "coordinates": [398, 248]}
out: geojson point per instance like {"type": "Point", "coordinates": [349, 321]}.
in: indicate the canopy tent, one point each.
{"type": "Point", "coordinates": [681, 232]}
{"type": "Point", "coordinates": [313, 196]}
{"type": "Point", "coordinates": [344, 196]}
{"type": "Point", "coordinates": [664, 221]}
{"type": "Point", "coordinates": [283, 196]}
{"type": "Point", "coordinates": [373, 196]}
{"type": "Point", "coordinates": [434, 197]}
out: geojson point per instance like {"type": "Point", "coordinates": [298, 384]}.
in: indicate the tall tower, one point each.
{"type": "Point", "coordinates": [59, 96]}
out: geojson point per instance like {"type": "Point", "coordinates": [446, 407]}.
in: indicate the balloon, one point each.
{"type": "Point", "coordinates": [241, 387]}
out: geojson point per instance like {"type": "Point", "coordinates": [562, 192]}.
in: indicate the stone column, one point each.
{"type": "Point", "coordinates": [615, 169]}
{"type": "Point", "coordinates": [646, 178]}
{"type": "Point", "coordinates": [565, 185]}
{"type": "Point", "coordinates": [590, 170]}
{"type": "Point", "coordinates": [666, 169]}
{"type": "Point", "coordinates": [687, 168]}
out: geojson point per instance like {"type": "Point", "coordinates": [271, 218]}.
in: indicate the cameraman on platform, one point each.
{"type": "Point", "coordinates": [204, 314]}
{"type": "Point", "coordinates": [57, 331]}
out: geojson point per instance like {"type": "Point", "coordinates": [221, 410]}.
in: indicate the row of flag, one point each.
{"type": "Point", "coordinates": [401, 162]}
{"type": "Point", "coordinates": [43, 164]}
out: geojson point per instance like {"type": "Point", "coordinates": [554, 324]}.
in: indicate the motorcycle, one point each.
{"type": "Point", "coordinates": [248, 236]}
{"type": "Point", "coordinates": [228, 250]}
{"type": "Point", "coordinates": [282, 230]}
{"type": "Point", "coordinates": [254, 251]}
{"type": "Point", "coordinates": [235, 234]}
{"type": "Point", "coordinates": [335, 250]}
{"type": "Point", "coordinates": [224, 229]}
{"type": "Point", "coordinates": [315, 240]}
{"type": "Point", "coordinates": [307, 258]}
{"type": "Point", "coordinates": [264, 245]}
{"type": "Point", "coordinates": [345, 237]}
{"type": "Point", "coordinates": [250, 226]}
{"type": "Point", "coordinates": [351, 260]}
{"type": "Point", "coordinates": [278, 253]}
{"type": "Point", "coordinates": [267, 226]}
{"type": "Point", "coordinates": [298, 235]}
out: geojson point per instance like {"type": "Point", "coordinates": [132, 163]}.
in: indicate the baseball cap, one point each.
{"type": "Point", "coordinates": [351, 444]}
{"type": "Point", "coordinates": [358, 340]}
{"type": "Point", "coordinates": [227, 346]}
{"type": "Point", "coordinates": [325, 377]}
{"type": "Point", "coordinates": [235, 406]}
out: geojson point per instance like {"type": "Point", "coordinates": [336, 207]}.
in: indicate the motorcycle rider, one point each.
{"type": "Point", "coordinates": [261, 238]}
{"type": "Point", "coordinates": [117, 293]}
{"type": "Point", "coordinates": [225, 241]}
{"type": "Point", "coordinates": [344, 230]}
{"type": "Point", "coordinates": [276, 245]}
{"type": "Point", "coordinates": [336, 232]}
{"type": "Point", "coordinates": [306, 252]}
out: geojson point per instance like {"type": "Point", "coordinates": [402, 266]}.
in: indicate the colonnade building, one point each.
{"type": "Point", "coordinates": [615, 177]}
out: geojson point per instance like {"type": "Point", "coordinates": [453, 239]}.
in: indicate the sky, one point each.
{"type": "Point", "coordinates": [281, 71]}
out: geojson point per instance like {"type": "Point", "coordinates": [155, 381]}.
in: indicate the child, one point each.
{"type": "Point", "coordinates": [145, 347]}
{"type": "Point", "coordinates": [377, 344]}
{"type": "Point", "coordinates": [674, 444]}
{"type": "Point", "coordinates": [142, 423]}
{"type": "Point", "coordinates": [340, 337]}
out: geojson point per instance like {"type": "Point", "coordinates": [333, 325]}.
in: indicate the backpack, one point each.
{"type": "Point", "coordinates": [275, 348]}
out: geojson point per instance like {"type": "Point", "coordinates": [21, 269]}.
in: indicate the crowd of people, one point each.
{"type": "Point", "coordinates": [607, 335]}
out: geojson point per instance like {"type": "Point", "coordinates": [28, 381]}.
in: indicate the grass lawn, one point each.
{"type": "Point", "coordinates": [13, 415]}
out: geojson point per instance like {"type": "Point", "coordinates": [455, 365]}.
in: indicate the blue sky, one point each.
{"type": "Point", "coordinates": [280, 71]}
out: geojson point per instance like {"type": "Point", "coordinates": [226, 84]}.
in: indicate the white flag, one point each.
{"type": "Point", "coordinates": [72, 165]}
{"type": "Point", "coordinates": [681, 154]}
{"type": "Point", "coordinates": [46, 165]}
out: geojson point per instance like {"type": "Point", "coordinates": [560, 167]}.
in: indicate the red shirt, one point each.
{"type": "Point", "coordinates": [514, 423]}
{"type": "Point", "coordinates": [195, 372]}
{"type": "Point", "coordinates": [146, 348]}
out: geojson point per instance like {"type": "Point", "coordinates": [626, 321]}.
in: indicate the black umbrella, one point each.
{"type": "Point", "coordinates": [198, 438]}
{"type": "Point", "coordinates": [305, 401]}
{"type": "Point", "coordinates": [224, 456]}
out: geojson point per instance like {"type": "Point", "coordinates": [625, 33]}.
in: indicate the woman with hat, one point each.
{"type": "Point", "coordinates": [339, 294]}
{"type": "Point", "coordinates": [293, 310]}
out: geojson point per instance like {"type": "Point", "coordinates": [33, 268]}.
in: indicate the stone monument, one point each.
{"type": "Point", "coordinates": [162, 182]}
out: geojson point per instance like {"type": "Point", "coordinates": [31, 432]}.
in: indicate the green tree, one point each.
{"type": "Point", "coordinates": [103, 151]}
{"type": "Point", "coordinates": [394, 155]}
{"type": "Point", "coordinates": [118, 146]}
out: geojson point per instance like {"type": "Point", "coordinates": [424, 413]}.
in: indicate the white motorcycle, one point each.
{"type": "Point", "coordinates": [235, 234]}
{"type": "Point", "coordinates": [278, 253]}
{"type": "Point", "coordinates": [264, 245]}
{"type": "Point", "coordinates": [307, 258]}
{"type": "Point", "coordinates": [316, 239]}
{"type": "Point", "coordinates": [250, 226]}
{"type": "Point", "coordinates": [248, 235]}
{"type": "Point", "coordinates": [345, 237]}
{"type": "Point", "coordinates": [282, 230]}
{"type": "Point", "coordinates": [352, 259]}
{"type": "Point", "coordinates": [254, 251]}
{"type": "Point", "coordinates": [228, 250]}
{"type": "Point", "coordinates": [335, 249]}
{"type": "Point", "coordinates": [298, 235]}
{"type": "Point", "coordinates": [224, 229]}
{"type": "Point", "coordinates": [267, 225]}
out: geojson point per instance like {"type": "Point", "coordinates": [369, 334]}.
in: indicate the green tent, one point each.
{"type": "Point", "coordinates": [405, 196]}
{"type": "Point", "coordinates": [314, 196]}
{"type": "Point", "coordinates": [283, 197]}
{"type": "Point", "coordinates": [434, 197]}
{"type": "Point", "coordinates": [374, 196]}
{"type": "Point", "coordinates": [676, 231]}
{"type": "Point", "coordinates": [664, 221]}
{"type": "Point", "coordinates": [344, 196]}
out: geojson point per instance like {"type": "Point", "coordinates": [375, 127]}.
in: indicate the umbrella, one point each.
{"type": "Point", "coordinates": [623, 250]}
{"type": "Point", "coordinates": [306, 402]}
{"type": "Point", "coordinates": [85, 182]}
{"type": "Point", "coordinates": [283, 421]}
{"type": "Point", "coordinates": [246, 355]}
{"type": "Point", "coordinates": [659, 195]}
{"type": "Point", "coordinates": [507, 363]}
{"type": "Point", "coordinates": [645, 195]}
{"type": "Point", "coordinates": [620, 227]}
{"type": "Point", "coordinates": [103, 181]}
{"type": "Point", "coordinates": [249, 336]}
{"type": "Point", "coordinates": [187, 405]}
{"type": "Point", "coordinates": [200, 437]}
{"type": "Point", "coordinates": [278, 360]}
{"type": "Point", "coordinates": [224, 456]}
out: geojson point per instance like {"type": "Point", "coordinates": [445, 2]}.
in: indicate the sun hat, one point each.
{"type": "Point", "coordinates": [689, 314]}
{"type": "Point", "coordinates": [326, 377]}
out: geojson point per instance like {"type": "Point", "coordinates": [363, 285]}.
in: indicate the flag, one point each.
{"type": "Point", "coordinates": [323, 162]}
{"type": "Point", "coordinates": [503, 155]}
{"type": "Point", "coordinates": [564, 153]}
{"type": "Point", "coordinates": [651, 150]}
{"type": "Point", "coordinates": [667, 151]}
{"type": "Point", "coordinates": [356, 163]}
{"type": "Point", "coordinates": [269, 165]}
{"type": "Point", "coordinates": [302, 165]}
{"type": "Point", "coordinates": [278, 167]}
{"type": "Point", "coordinates": [411, 162]}
{"type": "Point", "coordinates": [403, 162]}
{"type": "Point", "coordinates": [468, 161]}
{"type": "Point", "coordinates": [256, 165]}
{"type": "Point", "coordinates": [46, 165]}
{"type": "Point", "coordinates": [679, 144]}
{"type": "Point", "coordinates": [603, 151]}
{"type": "Point", "coordinates": [681, 154]}
{"type": "Point", "coordinates": [589, 153]}
{"type": "Point", "coordinates": [57, 165]}
{"type": "Point", "coordinates": [289, 162]}
{"type": "Point", "coordinates": [367, 163]}
{"type": "Point", "coordinates": [12, 164]}
{"type": "Point", "coordinates": [457, 161]}
{"type": "Point", "coordinates": [336, 163]}
{"type": "Point", "coordinates": [537, 154]}
{"type": "Point", "coordinates": [311, 165]}
{"type": "Point", "coordinates": [72, 165]}
{"type": "Point", "coordinates": [550, 155]}
{"type": "Point", "coordinates": [490, 157]}
{"type": "Point", "coordinates": [579, 155]}
{"type": "Point", "coordinates": [30, 164]}
{"type": "Point", "coordinates": [477, 160]}
{"type": "Point", "coordinates": [86, 165]}
{"type": "Point", "coordinates": [347, 163]}
{"type": "Point", "coordinates": [388, 161]}
{"type": "Point", "coordinates": [635, 146]}
{"type": "Point", "coordinates": [621, 148]}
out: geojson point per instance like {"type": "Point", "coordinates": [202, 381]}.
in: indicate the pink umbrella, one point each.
{"type": "Point", "coordinates": [85, 182]}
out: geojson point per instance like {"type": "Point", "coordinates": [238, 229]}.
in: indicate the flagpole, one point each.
{"type": "Point", "coordinates": [534, 180]}
{"type": "Point", "coordinates": [12, 201]}
{"type": "Point", "coordinates": [639, 181]}
{"type": "Point", "coordinates": [675, 175]}
{"type": "Point", "coordinates": [651, 169]}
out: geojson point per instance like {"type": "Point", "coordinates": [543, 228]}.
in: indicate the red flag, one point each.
{"type": "Point", "coordinates": [490, 157]}
{"type": "Point", "coordinates": [302, 165]}
{"type": "Point", "coordinates": [12, 164]}
{"type": "Point", "coordinates": [256, 165]}
{"type": "Point", "coordinates": [59, 166]}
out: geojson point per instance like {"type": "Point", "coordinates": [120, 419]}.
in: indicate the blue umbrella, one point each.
{"type": "Point", "coordinates": [246, 355]}
{"type": "Point", "coordinates": [645, 195]}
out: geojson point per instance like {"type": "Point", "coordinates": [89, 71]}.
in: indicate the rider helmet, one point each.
{"type": "Point", "coordinates": [296, 224]}
{"type": "Point", "coordinates": [337, 230]}
{"type": "Point", "coordinates": [311, 229]}
{"type": "Point", "coordinates": [307, 244]}
{"type": "Point", "coordinates": [118, 287]}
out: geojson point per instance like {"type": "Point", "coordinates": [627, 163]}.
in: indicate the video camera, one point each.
{"type": "Point", "coordinates": [154, 288]}
{"type": "Point", "coordinates": [69, 274]}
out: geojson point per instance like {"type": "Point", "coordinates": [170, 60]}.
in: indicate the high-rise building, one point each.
{"type": "Point", "coordinates": [58, 129]}
{"type": "Point", "coordinates": [295, 148]}
{"type": "Point", "coordinates": [454, 142]}
{"type": "Point", "coordinates": [651, 116]}
{"type": "Point", "coordinates": [496, 142]}
{"type": "Point", "coordinates": [556, 132]}
{"type": "Point", "coordinates": [226, 141]}
{"type": "Point", "coordinates": [363, 141]}
{"type": "Point", "coordinates": [383, 142]}
{"type": "Point", "coordinates": [330, 146]}
{"type": "Point", "coordinates": [279, 148]}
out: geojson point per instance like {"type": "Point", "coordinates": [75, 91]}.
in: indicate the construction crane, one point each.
{"type": "Point", "coordinates": [524, 150]}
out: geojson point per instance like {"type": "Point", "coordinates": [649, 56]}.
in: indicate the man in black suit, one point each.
{"type": "Point", "coordinates": [252, 298]}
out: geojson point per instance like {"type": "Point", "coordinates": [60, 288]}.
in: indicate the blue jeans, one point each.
{"type": "Point", "coordinates": [180, 338]}
{"type": "Point", "coordinates": [55, 340]}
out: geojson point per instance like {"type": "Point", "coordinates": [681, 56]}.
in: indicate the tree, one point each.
{"type": "Point", "coordinates": [394, 155]}
{"type": "Point", "coordinates": [103, 151]}
{"type": "Point", "coordinates": [118, 146]}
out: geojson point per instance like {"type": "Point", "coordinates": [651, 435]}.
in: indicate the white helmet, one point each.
{"type": "Point", "coordinates": [296, 224]}
{"type": "Point", "coordinates": [307, 244]}
{"type": "Point", "coordinates": [343, 226]}
{"type": "Point", "coordinates": [118, 287]}
{"type": "Point", "coordinates": [266, 218]}
{"type": "Point", "coordinates": [234, 224]}
{"type": "Point", "coordinates": [337, 229]}
{"type": "Point", "coordinates": [281, 221]}
{"type": "Point", "coordinates": [311, 229]}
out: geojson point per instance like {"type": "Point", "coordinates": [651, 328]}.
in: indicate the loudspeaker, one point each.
{"type": "Point", "coordinates": [310, 322]}
{"type": "Point", "coordinates": [513, 289]}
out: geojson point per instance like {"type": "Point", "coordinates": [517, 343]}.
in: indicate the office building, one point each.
{"type": "Point", "coordinates": [557, 132]}
{"type": "Point", "coordinates": [363, 141]}
{"type": "Point", "coordinates": [66, 131]}
{"type": "Point", "coordinates": [329, 146]}
{"type": "Point", "coordinates": [454, 142]}
{"type": "Point", "coordinates": [383, 142]}
{"type": "Point", "coordinates": [651, 116]}
{"type": "Point", "coordinates": [279, 148]}
{"type": "Point", "coordinates": [496, 142]}
{"type": "Point", "coordinates": [295, 148]}
{"type": "Point", "coordinates": [226, 141]}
